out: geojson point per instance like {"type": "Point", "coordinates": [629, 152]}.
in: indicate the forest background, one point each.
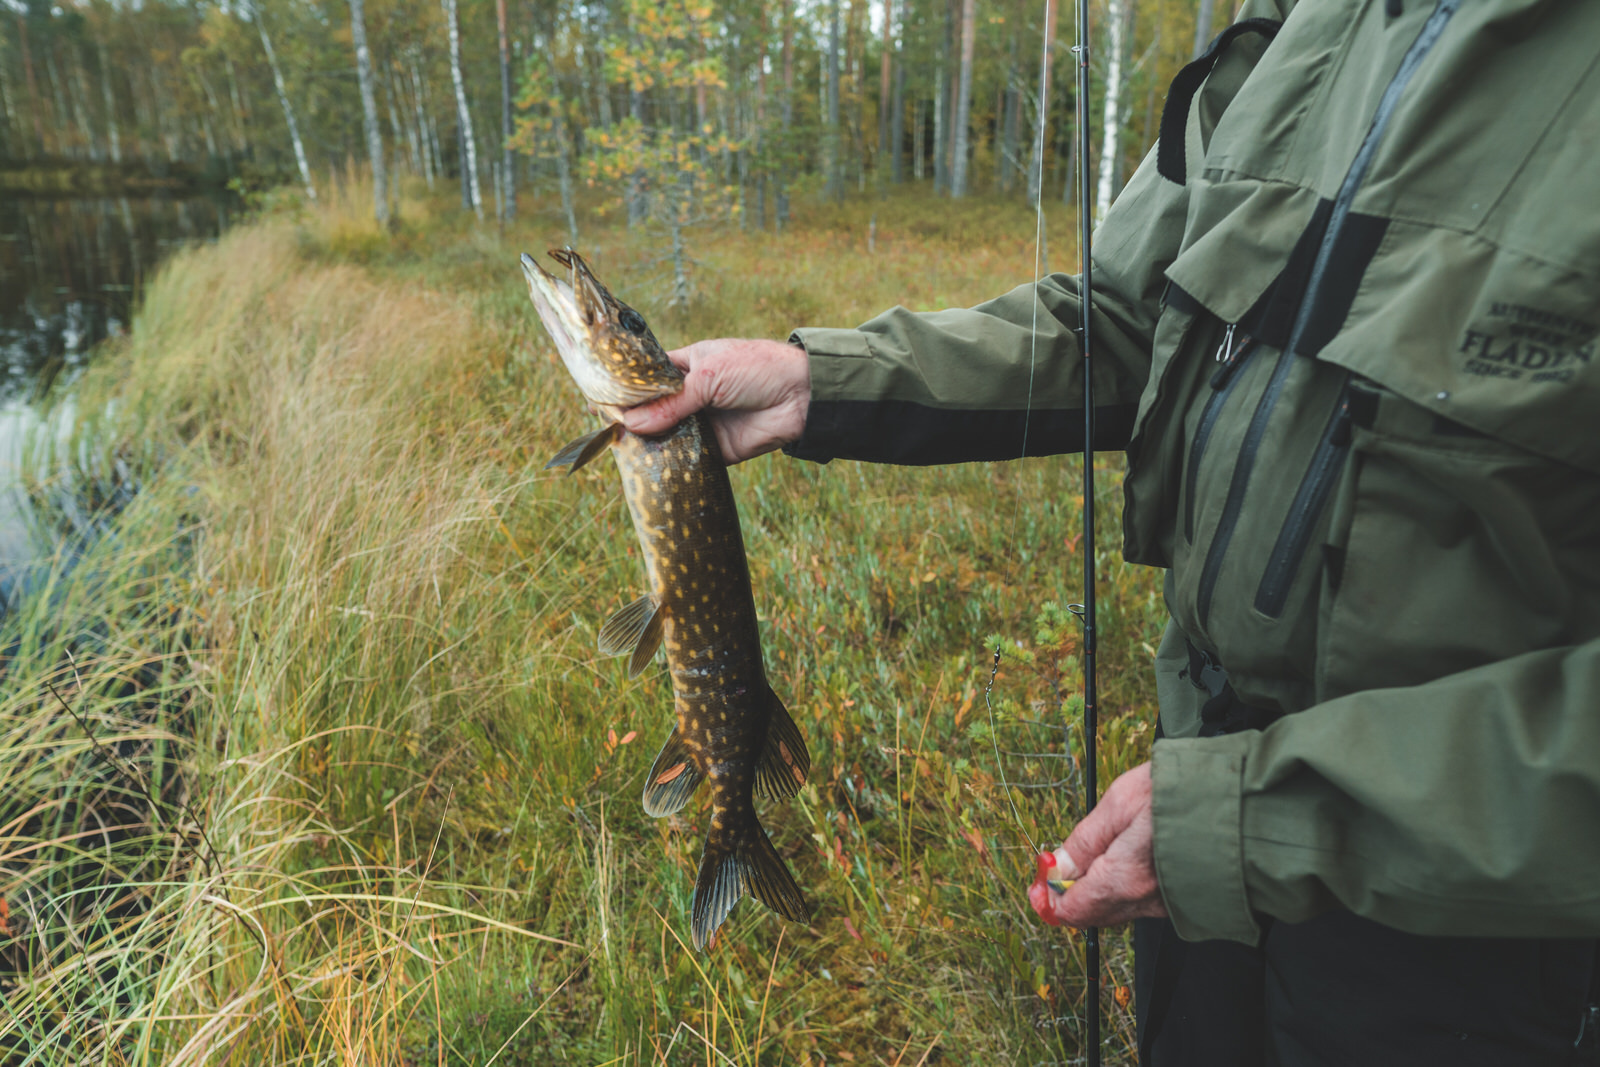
{"type": "Point", "coordinates": [306, 756]}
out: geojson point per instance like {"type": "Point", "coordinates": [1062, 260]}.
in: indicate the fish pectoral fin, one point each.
{"type": "Point", "coordinates": [575, 454]}
{"type": "Point", "coordinates": [636, 629]}
{"type": "Point", "coordinates": [784, 762]}
{"type": "Point", "coordinates": [752, 866]}
{"type": "Point", "coordinates": [673, 778]}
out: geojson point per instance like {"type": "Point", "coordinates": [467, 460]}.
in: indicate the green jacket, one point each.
{"type": "Point", "coordinates": [1352, 362]}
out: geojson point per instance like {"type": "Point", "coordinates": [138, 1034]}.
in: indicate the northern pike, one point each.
{"type": "Point", "coordinates": [731, 728]}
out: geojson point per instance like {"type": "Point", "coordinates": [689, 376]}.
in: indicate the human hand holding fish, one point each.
{"type": "Point", "coordinates": [757, 391]}
{"type": "Point", "coordinates": [1106, 868]}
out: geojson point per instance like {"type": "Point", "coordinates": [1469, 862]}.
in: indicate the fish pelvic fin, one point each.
{"type": "Point", "coordinates": [575, 454]}
{"type": "Point", "coordinates": [673, 778]}
{"type": "Point", "coordinates": [635, 629]}
{"type": "Point", "coordinates": [735, 863]}
{"type": "Point", "coordinates": [784, 762]}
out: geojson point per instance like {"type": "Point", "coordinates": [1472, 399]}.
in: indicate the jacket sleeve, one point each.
{"type": "Point", "coordinates": [1495, 840]}
{"type": "Point", "coordinates": [967, 384]}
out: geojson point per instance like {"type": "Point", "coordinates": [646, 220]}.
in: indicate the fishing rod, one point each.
{"type": "Point", "coordinates": [1086, 612]}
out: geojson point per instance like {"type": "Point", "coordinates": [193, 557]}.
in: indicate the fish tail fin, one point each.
{"type": "Point", "coordinates": [739, 861]}
{"type": "Point", "coordinates": [784, 763]}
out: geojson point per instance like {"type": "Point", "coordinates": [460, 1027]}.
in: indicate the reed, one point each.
{"type": "Point", "coordinates": [397, 819]}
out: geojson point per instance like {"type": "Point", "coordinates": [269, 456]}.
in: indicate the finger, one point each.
{"type": "Point", "coordinates": [659, 416]}
{"type": "Point", "coordinates": [683, 358]}
{"type": "Point", "coordinates": [1091, 837]}
{"type": "Point", "coordinates": [1039, 896]}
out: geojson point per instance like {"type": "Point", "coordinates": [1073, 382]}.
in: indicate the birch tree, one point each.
{"type": "Point", "coordinates": [369, 112]}
{"type": "Point", "coordinates": [1036, 156]}
{"type": "Point", "coordinates": [1202, 27]}
{"type": "Point", "coordinates": [831, 163]}
{"type": "Point", "coordinates": [886, 150]}
{"type": "Point", "coordinates": [283, 101]}
{"type": "Point", "coordinates": [958, 153]}
{"type": "Point", "coordinates": [469, 150]}
{"type": "Point", "coordinates": [1117, 12]}
{"type": "Point", "coordinates": [508, 169]}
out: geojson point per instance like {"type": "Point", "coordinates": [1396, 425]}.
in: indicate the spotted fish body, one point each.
{"type": "Point", "coordinates": [730, 728]}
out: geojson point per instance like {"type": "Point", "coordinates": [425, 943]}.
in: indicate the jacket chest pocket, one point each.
{"type": "Point", "coordinates": [1450, 549]}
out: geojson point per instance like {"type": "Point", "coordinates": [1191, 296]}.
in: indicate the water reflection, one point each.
{"type": "Point", "coordinates": [70, 271]}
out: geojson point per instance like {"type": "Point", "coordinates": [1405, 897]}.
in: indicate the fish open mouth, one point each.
{"type": "Point", "coordinates": [558, 308]}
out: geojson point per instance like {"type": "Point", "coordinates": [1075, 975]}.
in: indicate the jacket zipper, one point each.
{"type": "Point", "coordinates": [1309, 500]}
{"type": "Point", "coordinates": [1222, 380]}
{"type": "Point", "coordinates": [1432, 30]}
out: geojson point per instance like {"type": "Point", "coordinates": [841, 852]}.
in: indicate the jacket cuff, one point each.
{"type": "Point", "coordinates": [832, 355]}
{"type": "Point", "coordinates": [1196, 806]}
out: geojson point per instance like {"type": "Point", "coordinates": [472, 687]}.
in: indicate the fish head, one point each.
{"type": "Point", "coordinates": [606, 345]}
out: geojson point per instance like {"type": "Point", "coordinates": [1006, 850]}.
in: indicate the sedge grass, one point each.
{"type": "Point", "coordinates": [418, 785]}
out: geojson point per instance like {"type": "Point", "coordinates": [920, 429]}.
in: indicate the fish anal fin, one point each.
{"type": "Point", "coordinates": [750, 866]}
{"type": "Point", "coordinates": [575, 454]}
{"type": "Point", "coordinates": [634, 630]}
{"type": "Point", "coordinates": [673, 778]}
{"type": "Point", "coordinates": [784, 763]}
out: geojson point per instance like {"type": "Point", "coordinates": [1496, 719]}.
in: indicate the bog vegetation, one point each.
{"type": "Point", "coordinates": [311, 759]}
{"type": "Point", "coordinates": [306, 754]}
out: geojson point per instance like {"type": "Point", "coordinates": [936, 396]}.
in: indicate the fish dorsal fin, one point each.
{"type": "Point", "coordinates": [575, 454]}
{"type": "Point", "coordinates": [635, 629]}
{"type": "Point", "coordinates": [784, 762]}
{"type": "Point", "coordinates": [751, 866]}
{"type": "Point", "coordinates": [673, 778]}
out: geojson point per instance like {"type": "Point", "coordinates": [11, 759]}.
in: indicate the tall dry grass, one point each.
{"type": "Point", "coordinates": [400, 822]}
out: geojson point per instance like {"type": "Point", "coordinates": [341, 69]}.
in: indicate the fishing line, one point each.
{"type": "Point", "coordinates": [1086, 610]}
{"type": "Point", "coordinates": [1027, 411]}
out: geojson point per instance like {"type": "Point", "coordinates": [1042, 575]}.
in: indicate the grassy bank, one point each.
{"type": "Point", "coordinates": [380, 803]}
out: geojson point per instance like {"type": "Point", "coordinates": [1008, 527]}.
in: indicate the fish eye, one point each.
{"type": "Point", "coordinates": [632, 321]}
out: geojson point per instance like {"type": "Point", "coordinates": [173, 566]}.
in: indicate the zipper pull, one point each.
{"type": "Point", "coordinates": [1230, 357]}
{"type": "Point", "coordinates": [1225, 349]}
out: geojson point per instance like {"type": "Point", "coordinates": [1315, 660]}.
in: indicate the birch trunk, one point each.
{"type": "Point", "coordinates": [469, 161]}
{"type": "Point", "coordinates": [1202, 27]}
{"type": "Point", "coordinates": [283, 101]}
{"type": "Point", "coordinates": [958, 164]}
{"type": "Point", "coordinates": [1036, 159]}
{"type": "Point", "coordinates": [508, 166]}
{"type": "Point", "coordinates": [887, 149]}
{"type": "Point", "coordinates": [835, 183]}
{"type": "Point", "coordinates": [897, 125]}
{"type": "Point", "coordinates": [780, 194]}
{"type": "Point", "coordinates": [431, 161]}
{"type": "Point", "coordinates": [369, 112]}
{"type": "Point", "coordinates": [1111, 143]}
{"type": "Point", "coordinates": [405, 128]}
{"type": "Point", "coordinates": [918, 149]}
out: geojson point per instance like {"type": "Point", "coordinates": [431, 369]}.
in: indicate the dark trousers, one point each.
{"type": "Point", "coordinates": [1341, 991]}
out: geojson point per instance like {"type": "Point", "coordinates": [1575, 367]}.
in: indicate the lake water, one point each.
{"type": "Point", "coordinates": [70, 271]}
